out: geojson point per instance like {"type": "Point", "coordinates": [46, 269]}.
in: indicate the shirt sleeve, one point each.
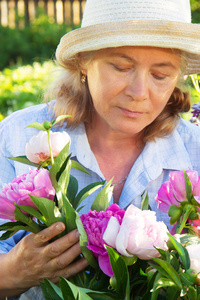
{"type": "Point", "coordinates": [13, 137]}
{"type": "Point", "coordinates": [7, 172]}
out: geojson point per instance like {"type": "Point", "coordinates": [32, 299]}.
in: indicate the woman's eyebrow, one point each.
{"type": "Point", "coordinates": [132, 60]}
{"type": "Point", "coordinates": [166, 65]}
{"type": "Point", "coordinates": [121, 55]}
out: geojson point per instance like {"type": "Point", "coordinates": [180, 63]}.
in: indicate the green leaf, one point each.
{"type": "Point", "coordinates": [63, 180]}
{"type": "Point", "coordinates": [70, 214]}
{"type": "Point", "coordinates": [163, 282]}
{"type": "Point", "coordinates": [192, 293]}
{"type": "Point", "coordinates": [48, 209]}
{"type": "Point", "coordinates": [59, 118]}
{"type": "Point", "coordinates": [188, 186]}
{"type": "Point", "coordinates": [102, 200]}
{"type": "Point", "coordinates": [71, 291]}
{"type": "Point", "coordinates": [24, 160]}
{"type": "Point", "coordinates": [164, 254]}
{"type": "Point", "coordinates": [172, 294]}
{"type": "Point", "coordinates": [121, 274]}
{"type": "Point", "coordinates": [154, 292]}
{"type": "Point", "coordinates": [181, 251]}
{"type": "Point", "coordinates": [56, 168]}
{"type": "Point", "coordinates": [83, 296]}
{"type": "Point", "coordinates": [86, 191]}
{"type": "Point", "coordinates": [50, 290]}
{"type": "Point", "coordinates": [187, 279]}
{"type": "Point", "coordinates": [46, 295]}
{"type": "Point", "coordinates": [72, 189]}
{"type": "Point", "coordinates": [20, 216]}
{"type": "Point", "coordinates": [129, 260]}
{"type": "Point", "coordinates": [145, 201]}
{"type": "Point", "coordinates": [174, 261]}
{"type": "Point", "coordinates": [11, 228]}
{"type": "Point", "coordinates": [31, 211]}
{"type": "Point", "coordinates": [172, 274]}
{"type": "Point", "coordinates": [68, 291]}
{"type": "Point", "coordinates": [84, 242]}
{"type": "Point", "coordinates": [77, 166]}
{"type": "Point", "coordinates": [158, 268]}
{"type": "Point", "coordinates": [36, 125]}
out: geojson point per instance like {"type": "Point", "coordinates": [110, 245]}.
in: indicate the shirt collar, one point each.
{"type": "Point", "coordinates": [81, 150]}
{"type": "Point", "coordinates": [166, 153]}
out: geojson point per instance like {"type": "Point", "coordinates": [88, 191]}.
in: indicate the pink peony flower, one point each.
{"type": "Point", "coordinates": [35, 183]}
{"type": "Point", "coordinates": [138, 234]}
{"type": "Point", "coordinates": [165, 197]}
{"type": "Point", "coordinates": [193, 251]}
{"type": "Point", "coordinates": [175, 189]}
{"type": "Point", "coordinates": [95, 224]}
{"type": "Point", "coordinates": [37, 149]}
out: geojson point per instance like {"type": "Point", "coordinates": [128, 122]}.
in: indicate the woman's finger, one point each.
{"type": "Point", "coordinates": [70, 270]}
{"type": "Point", "coordinates": [66, 258]}
{"type": "Point", "coordinates": [59, 246]}
{"type": "Point", "coordinates": [44, 236]}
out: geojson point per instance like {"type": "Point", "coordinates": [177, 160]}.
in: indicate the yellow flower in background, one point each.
{"type": "Point", "coordinates": [1, 117]}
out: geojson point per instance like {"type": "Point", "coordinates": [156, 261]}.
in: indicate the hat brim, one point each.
{"type": "Point", "coordinates": [155, 33]}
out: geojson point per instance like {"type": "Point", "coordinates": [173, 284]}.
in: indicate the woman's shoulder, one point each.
{"type": "Point", "coordinates": [190, 136]}
{"type": "Point", "coordinates": [26, 116]}
{"type": "Point", "coordinates": [188, 130]}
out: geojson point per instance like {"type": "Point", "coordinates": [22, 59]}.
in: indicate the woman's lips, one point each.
{"type": "Point", "coordinates": [131, 113]}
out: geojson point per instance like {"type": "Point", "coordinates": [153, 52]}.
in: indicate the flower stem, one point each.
{"type": "Point", "coordinates": [185, 218]}
{"type": "Point", "coordinates": [49, 141]}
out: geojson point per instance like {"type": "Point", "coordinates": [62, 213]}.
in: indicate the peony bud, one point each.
{"type": "Point", "coordinates": [113, 282]}
{"type": "Point", "coordinates": [47, 125]}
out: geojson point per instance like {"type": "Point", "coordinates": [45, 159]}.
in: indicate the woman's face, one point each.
{"type": "Point", "coordinates": [130, 86]}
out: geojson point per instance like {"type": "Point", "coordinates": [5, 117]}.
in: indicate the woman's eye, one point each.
{"type": "Point", "coordinates": [159, 77]}
{"type": "Point", "coordinates": [121, 68]}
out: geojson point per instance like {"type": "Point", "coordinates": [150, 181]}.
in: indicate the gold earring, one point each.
{"type": "Point", "coordinates": [83, 78]}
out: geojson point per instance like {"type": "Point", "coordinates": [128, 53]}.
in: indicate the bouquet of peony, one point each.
{"type": "Point", "coordinates": [130, 254]}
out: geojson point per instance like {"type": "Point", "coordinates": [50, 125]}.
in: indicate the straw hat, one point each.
{"type": "Point", "coordinates": [115, 23]}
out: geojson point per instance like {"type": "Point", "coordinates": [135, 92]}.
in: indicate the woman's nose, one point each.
{"type": "Point", "coordinates": [137, 87]}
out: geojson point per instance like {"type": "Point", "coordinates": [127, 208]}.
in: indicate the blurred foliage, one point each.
{"type": "Point", "coordinates": [23, 86]}
{"type": "Point", "coordinates": [195, 8]}
{"type": "Point", "coordinates": [36, 42]}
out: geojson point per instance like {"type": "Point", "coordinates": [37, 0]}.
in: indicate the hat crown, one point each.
{"type": "Point", "coordinates": [103, 11]}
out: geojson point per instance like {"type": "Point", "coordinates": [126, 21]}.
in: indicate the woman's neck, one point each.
{"type": "Point", "coordinates": [115, 153]}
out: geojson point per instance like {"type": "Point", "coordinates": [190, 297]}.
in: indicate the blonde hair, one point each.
{"type": "Point", "coordinates": [73, 98]}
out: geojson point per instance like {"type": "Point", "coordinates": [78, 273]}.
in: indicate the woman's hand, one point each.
{"type": "Point", "coordinates": [34, 258]}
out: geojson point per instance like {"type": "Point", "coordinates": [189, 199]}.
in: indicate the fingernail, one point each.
{"type": "Point", "coordinates": [77, 234]}
{"type": "Point", "coordinates": [60, 227]}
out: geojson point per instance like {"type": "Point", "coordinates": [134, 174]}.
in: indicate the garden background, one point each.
{"type": "Point", "coordinates": [27, 46]}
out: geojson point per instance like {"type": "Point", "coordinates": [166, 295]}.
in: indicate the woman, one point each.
{"type": "Point", "coordinates": [120, 84]}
